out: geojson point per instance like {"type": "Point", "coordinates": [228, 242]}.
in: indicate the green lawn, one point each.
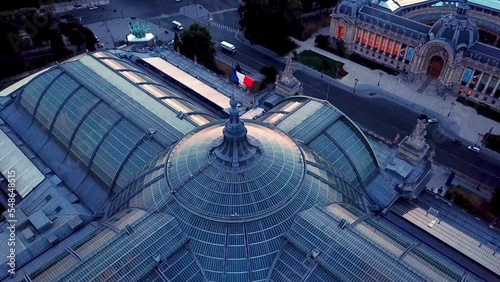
{"type": "Point", "coordinates": [315, 61]}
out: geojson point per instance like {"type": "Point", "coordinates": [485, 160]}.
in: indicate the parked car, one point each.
{"type": "Point", "coordinates": [432, 120]}
{"type": "Point", "coordinates": [456, 142]}
{"type": "Point", "coordinates": [474, 149]}
{"type": "Point", "coordinates": [77, 5]}
{"type": "Point", "coordinates": [93, 8]}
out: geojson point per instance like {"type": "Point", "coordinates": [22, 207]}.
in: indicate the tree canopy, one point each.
{"type": "Point", "coordinates": [197, 41]}
{"type": "Point", "coordinates": [270, 22]}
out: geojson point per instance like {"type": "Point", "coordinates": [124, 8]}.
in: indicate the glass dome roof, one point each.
{"type": "Point", "coordinates": [205, 183]}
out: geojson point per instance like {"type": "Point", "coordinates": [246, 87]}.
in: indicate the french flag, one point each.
{"type": "Point", "coordinates": [242, 79]}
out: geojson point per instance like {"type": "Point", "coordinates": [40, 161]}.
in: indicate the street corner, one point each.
{"type": "Point", "coordinates": [194, 11]}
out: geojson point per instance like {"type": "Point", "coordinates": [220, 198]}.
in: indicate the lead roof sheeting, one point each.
{"type": "Point", "coordinates": [189, 81]}
{"type": "Point", "coordinates": [395, 20]}
{"type": "Point", "coordinates": [27, 175]}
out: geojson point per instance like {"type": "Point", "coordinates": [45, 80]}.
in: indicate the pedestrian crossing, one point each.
{"type": "Point", "coordinates": [225, 27]}
{"type": "Point", "coordinates": [224, 11]}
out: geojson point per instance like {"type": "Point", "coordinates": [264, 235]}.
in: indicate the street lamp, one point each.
{"type": "Point", "coordinates": [479, 135]}
{"type": "Point", "coordinates": [355, 83]}
{"type": "Point", "coordinates": [379, 78]}
{"type": "Point", "coordinates": [452, 105]}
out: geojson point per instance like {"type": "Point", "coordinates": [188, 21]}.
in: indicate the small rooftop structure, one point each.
{"type": "Point", "coordinates": [286, 83]}
{"type": "Point", "coordinates": [413, 147]}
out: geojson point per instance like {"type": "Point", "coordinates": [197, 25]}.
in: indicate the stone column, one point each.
{"type": "Point", "coordinates": [333, 27]}
{"type": "Point", "coordinates": [496, 88]}
{"type": "Point", "coordinates": [487, 83]}
{"type": "Point", "coordinates": [496, 40]}
{"type": "Point", "coordinates": [479, 81]}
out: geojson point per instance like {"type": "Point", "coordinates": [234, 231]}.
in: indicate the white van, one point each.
{"type": "Point", "coordinates": [177, 25]}
{"type": "Point", "coordinates": [228, 47]}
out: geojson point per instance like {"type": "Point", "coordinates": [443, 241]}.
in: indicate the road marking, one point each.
{"type": "Point", "coordinates": [162, 16]}
{"type": "Point", "coordinates": [225, 27]}
{"type": "Point", "coordinates": [224, 11]}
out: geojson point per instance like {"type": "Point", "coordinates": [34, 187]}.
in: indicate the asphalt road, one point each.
{"type": "Point", "coordinates": [144, 9]}
{"type": "Point", "coordinates": [379, 115]}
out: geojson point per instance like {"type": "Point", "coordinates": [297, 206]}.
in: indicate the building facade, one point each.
{"type": "Point", "coordinates": [448, 51]}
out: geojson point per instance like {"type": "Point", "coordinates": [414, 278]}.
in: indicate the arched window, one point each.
{"type": "Point", "coordinates": [340, 32]}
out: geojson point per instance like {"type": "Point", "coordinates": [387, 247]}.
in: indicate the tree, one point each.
{"type": "Point", "coordinates": [341, 49]}
{"type": "Point", "coordinates": [495, 202]}
{"type": "Point", "coordinates": [270, 22]}
{"type": "Point", "coordinates": [41, 34]}
{"type": "Point", "coordinates": [321, 41]}
{"type": "Point", "coordinates": [270, 74]}
{"type": "Point", "coordinates": [76, 38]}
{"type": "Point", "coordinates": [177, 41]}
{"type": "Point", "coordinates": [197, 41]}
{"type": "Point", "coordinates": [90, 39]}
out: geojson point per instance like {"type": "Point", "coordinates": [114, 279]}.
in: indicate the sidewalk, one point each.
{"type": "Point", "coordinates": [68, 6]}
{"type": "Point", "coordinates": [441, 175]}
{"type": "Point", "coordinates": [463, 121]}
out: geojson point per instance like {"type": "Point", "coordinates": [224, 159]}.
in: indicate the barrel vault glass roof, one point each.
{"type": "Point", "coordinates": [94, 127]}
{"type": "Point", "coordinates": [338, 243]}
{"type": "Point", "coordinates": [328, 132]}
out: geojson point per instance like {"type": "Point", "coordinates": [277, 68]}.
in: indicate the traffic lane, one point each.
{"type": "Point", "coordinates": [377, 114]}
{"type": "Point", "coordinates": [480, 173]}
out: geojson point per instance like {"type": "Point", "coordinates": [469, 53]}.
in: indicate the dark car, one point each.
{"type": "Point", "coordinates": [456, 142]}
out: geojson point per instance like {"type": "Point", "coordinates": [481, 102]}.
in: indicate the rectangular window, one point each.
{"type": "Point", "coordinates": [491, 85]}
{"type": "Point", "coordinates": [396, 49]}
{"type": "Point", "coordinates": [497, 93]}
{"type": "Point", "coordinates": [358, 35]}
{"type": "Point", "coordinates": [389, 47]}
{"type": "Point", "coordinates": [384, 42]}
{"type": "Point", "coordinates": [340, 32]}
{"type": "Point", "coordinates": [467, 76]}
{"type": "Point", "coordinates": [365, 37]}
{"type": "Point", "coordinates": [482, 83]}
{"type": "Point", "coordinates": [377, 42]}
{"type": "Point", "coordinates": [475, 78]}
{"type": "Point", "coordinates": [409, 54]}
{"type": "Point", "coordinates": [370, 42]}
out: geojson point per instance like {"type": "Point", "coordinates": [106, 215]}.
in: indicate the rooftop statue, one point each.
{"type": "Point", "coordinates": [139, 30]}
{"type": "Point", "coordinates": [287, 74]}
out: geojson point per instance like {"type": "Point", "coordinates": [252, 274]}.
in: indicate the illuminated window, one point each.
{"type": "Point", "coordinates": [340, 32]}
{"type": "Point", "coordinates": [377, 42]}
{"type": "Point", "coordinates": [389, 47]}
{"type": "Point", "coordinates": [396, 49]}
{"type": "Point", "coordinates": [358, 35]}
{"type": "Point", "coordinates": [370, 42]}
{"type": "Point", "coordinates": [365, 37]}
{"type": "Point", "coordinates": [384, 42]}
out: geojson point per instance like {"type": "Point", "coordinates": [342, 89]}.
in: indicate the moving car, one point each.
{"type": "Point", "coordinates": [93, 8]}
{"type": "Point", "coordinates": [177, 25]}
{"type": "Point", "coordinates": [432, 120]}
{"type": "Point", "coordinates": [474, 149]}
{"type": "Point", "coordinates": [228, 47]}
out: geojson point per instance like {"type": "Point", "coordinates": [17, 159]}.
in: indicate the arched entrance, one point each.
{"type": "Point", "coordinates": [435, 66]}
